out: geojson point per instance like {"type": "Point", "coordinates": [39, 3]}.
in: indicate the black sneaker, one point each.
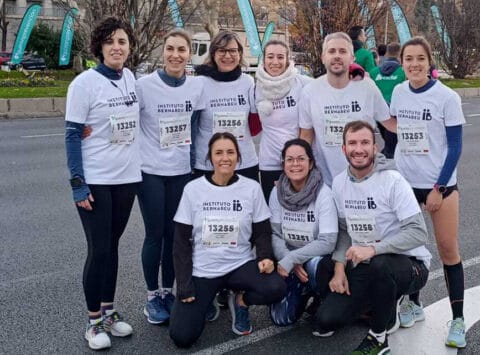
{"type": "Point", "coordinates": [371, 346]}
{"type": "Point", "coordinates": [222, 298]}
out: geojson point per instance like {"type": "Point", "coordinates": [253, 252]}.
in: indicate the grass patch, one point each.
{"type": "Point", "coordinates": [462, 83]}
{"type": "Point", "coordinates": [60, 90]}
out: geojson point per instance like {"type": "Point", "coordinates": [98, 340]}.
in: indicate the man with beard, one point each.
{"type": "Point", "coordinates": [380, 253]}
{"type": "Point", "coordinates": [333, 100]}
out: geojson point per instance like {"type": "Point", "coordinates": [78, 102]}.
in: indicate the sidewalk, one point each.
{"type": "Point", "coordinates": [55, 107]}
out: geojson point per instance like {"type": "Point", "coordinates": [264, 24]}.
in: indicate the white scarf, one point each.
{"type": "Point", "coordinates": [273, 87]}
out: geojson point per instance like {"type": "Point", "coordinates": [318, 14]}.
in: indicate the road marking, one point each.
{"type": "Point", "coordinates": [473, 115]}
{"type": "Point", "coordinates": [43, 135]}
{"type": "Point", "coordinates": [272, 330]}
{"type": "Point", "coordinates": [428, 337]}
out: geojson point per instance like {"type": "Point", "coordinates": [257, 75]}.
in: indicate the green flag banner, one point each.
{"type": "Point", "coordinates": [268, 33]}
{"type": "Point", "coordinates": [250, 27]}
{"type": "Point", "coordinates": [67, 37]}
{"type": "Point", "coordinates": [24, 31]}
{"type": "Point", "coordinates": [175, 11]}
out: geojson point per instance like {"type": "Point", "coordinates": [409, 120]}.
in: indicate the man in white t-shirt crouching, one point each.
{"type": "Point", "coordinates": [380, 253]}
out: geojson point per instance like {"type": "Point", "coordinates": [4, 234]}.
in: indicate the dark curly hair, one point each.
{"type": "Point", "coordinates": [104, 31]}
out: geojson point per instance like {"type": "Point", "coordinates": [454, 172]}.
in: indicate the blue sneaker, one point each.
{"type": "Point", "coordinates": [291, 307]}
{"type": "Point", "coordinates": [213, 311]}
{"type": "Point", "coordinates": [157, 310]}
{"type": "Point", "coordinates": [410, 313]}
{"type": "Point", "coordinates": [240, 318]}
{"type": "Point", "coordinates": [456, 334]}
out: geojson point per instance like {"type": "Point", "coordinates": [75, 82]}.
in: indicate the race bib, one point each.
{"type": "Point", "coordinates": [297, 235]}
{"type": "Point", "coordinates": [232, 122]}
{"type": "Point", "coordinates": [175, 131]}
{"type": "Point", "coordinates": [334, 130]}
{"type": "Point", "coordinates": [413, 138]}
{"type": "Point", "coordinates": [220, 231]}
{"type": "Point", "coordinates": [362, 229]}
{"type": "Point", "coordinates": [124, 127]}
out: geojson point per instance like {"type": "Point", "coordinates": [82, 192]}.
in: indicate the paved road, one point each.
{"type": "Point", "coordinates": [43, 249]}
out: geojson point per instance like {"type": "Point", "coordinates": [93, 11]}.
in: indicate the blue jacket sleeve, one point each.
{"type": "Point", "coordinates": [454, 143]}
{"type": "Point", "coordinates": [73, 145]}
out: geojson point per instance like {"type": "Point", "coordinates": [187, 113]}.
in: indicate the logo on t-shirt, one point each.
{"type": "Point", "coordinates": [310, 216]}
{"type": "Point", "coordinates": [241, 100]}
{"type": "Point", "coordinates": [188, 106]}
{"type": "Point", "coordinates": [371, 204]}
{"type": "Point", "coordinates": [291, 101]}
{"type": "Point", "coordinates": [426, 116]}
{"type": "Point", "coordinates": [237, 205]}
{"type": "Point", "coordinates": [356, 107]}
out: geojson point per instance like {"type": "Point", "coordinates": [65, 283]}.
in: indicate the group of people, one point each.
{"type": "Point", "coordinates": [341, 224]}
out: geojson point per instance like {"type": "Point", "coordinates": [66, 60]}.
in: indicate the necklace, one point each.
{"type": "Point", "coordinates": [129, 101]}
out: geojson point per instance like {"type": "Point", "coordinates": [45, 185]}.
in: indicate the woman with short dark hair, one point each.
{"type": "Point", "coordinates": [104, 169]}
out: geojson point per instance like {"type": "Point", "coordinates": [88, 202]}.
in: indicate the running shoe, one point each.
{"type": "Point", "coordinates": [410, 313]}
{"type": "Point", "coordinates": [291, 307]}
{"type": "Point", "coordinates": [456, 333]}
{"type": "Point", "coordinates": [155, 310]}
{"type": "Point", "coordinates": [96, 336]}
{"type": "Point", "coordinates": [115, 325]}
{"type": "Point", "coordinates": [213, 311]}
{"type": "Point", "coordinates": [371, 346]}
{"type": "Point", "coordinates": [240, 317]}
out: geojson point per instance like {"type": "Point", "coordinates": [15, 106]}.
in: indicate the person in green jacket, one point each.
{"type": "Point", "coordinates": [387, 76]}
{"type": "Point", "coordinates": [363, 56]}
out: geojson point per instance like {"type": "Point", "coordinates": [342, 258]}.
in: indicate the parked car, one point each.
{"type": "Point", "coordinates": [30, 62]}
{"type": "Point", "coordinates": [5, 57]}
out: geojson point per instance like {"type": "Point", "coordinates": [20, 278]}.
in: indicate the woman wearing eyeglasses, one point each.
{"type": "Point", "coordinates": [304, 231]}
{"type": "Point", "coordinates": [277, 93]}
{"type": "Point", "coordinates": [228, 99]}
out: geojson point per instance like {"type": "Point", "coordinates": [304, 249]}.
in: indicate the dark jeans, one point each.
{"type": "Point", "coordinates": [378, 284]}
{"type": "Point", "coordinates": [158, 197]}
{"type": "Point", "coordinates": [268, 179]}
{"type": "Point", "coordinates": [251, 172]}
{"type": "Point", "coordinates": [187, 320]}
{"type": "Point", "coordinates": [103, 228]}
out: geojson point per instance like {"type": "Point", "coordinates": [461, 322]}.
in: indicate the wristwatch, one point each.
{"type": "Point", "coordinates": [440, 188]}
{"type": "Point", "coordinates": [77, 181]}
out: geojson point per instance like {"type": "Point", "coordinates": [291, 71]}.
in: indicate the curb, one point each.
{"type": "Point", "coordinates": [55, 106]}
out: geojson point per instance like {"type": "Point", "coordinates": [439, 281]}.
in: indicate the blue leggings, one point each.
{"type": "Point", "coordinates": [158, 197]}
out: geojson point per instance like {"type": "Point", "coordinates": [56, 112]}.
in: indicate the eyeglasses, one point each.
{"type": "Point", "coordinates": [232, 51]}
{"type": "Point", "coordinates": [299, 160]}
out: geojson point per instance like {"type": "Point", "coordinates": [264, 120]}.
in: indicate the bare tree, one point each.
{"type": "Point", "coordinates": [312, 22]}
{"type": "Point", "coordinates": [459, 37]}
{"type": "Point", "coordinates": [3, 24]}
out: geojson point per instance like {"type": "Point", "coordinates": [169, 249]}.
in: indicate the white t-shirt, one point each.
{"type": "Point", "coordinates": [299, 228]}
{"type": "Point", "coordinates": [422, 139]}
{"type": "Point", "coordinates": [374, 208]}
{"type": "Point", "coordinates": [227, 106]}
{"type": "Point", "coordinates": [327, 110]}
{"type": "Point", "coordinates": [165, 116]}
{"type": "Point", "coordinates": [111, 153]}
{"type": "Point", "coordinates": [280, 126]}
{"type": "Point", "coordinates": [222, 218]}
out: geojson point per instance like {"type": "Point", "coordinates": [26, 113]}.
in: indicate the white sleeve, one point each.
{"type": "Point", "coordinates": [402, 199]}
{"type": "Point", "coordinates": [139, 91]}
{"type": "Point", "coordinates": [393, 102]}
{"type": "Point", "coordinates": [200, 102]}
{"type": "Point", "coordinates": [382, 112]}
{"type": "Point", "coordinates": [251, 97]}
{"type": "Point", "coordinates": [275, 208]}
{"type": "Point", "coordinates": [453, 111]}
{"type": "Point", "coordinates": [78, 103]}
{"type": "Point", "coordinates": [327, 214]}
{"type": "Point", "coordinates": [261, 211]}
{"type": "Point", "coordinates": [184, 211]}
{"type": "Point", "coordinates": [305, 118]}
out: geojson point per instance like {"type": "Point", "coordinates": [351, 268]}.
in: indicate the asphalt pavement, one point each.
{"type": "Point", "coordinates": [42, 307]}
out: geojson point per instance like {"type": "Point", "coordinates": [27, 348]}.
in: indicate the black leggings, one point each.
{"type": "Point", "coordinates": [268, 178]}
{"type": "Point", "coordinates": [379, 285]}
{"type": "Point", "coordinates": [103, 228]}
{"type": "Point", "coordinates": [187, 320]}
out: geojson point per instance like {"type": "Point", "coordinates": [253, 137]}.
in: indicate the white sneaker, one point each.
{"type": "Point", "coordinates": [96, 336]}
{"type": "Point", "coordinates": [114, 324]}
